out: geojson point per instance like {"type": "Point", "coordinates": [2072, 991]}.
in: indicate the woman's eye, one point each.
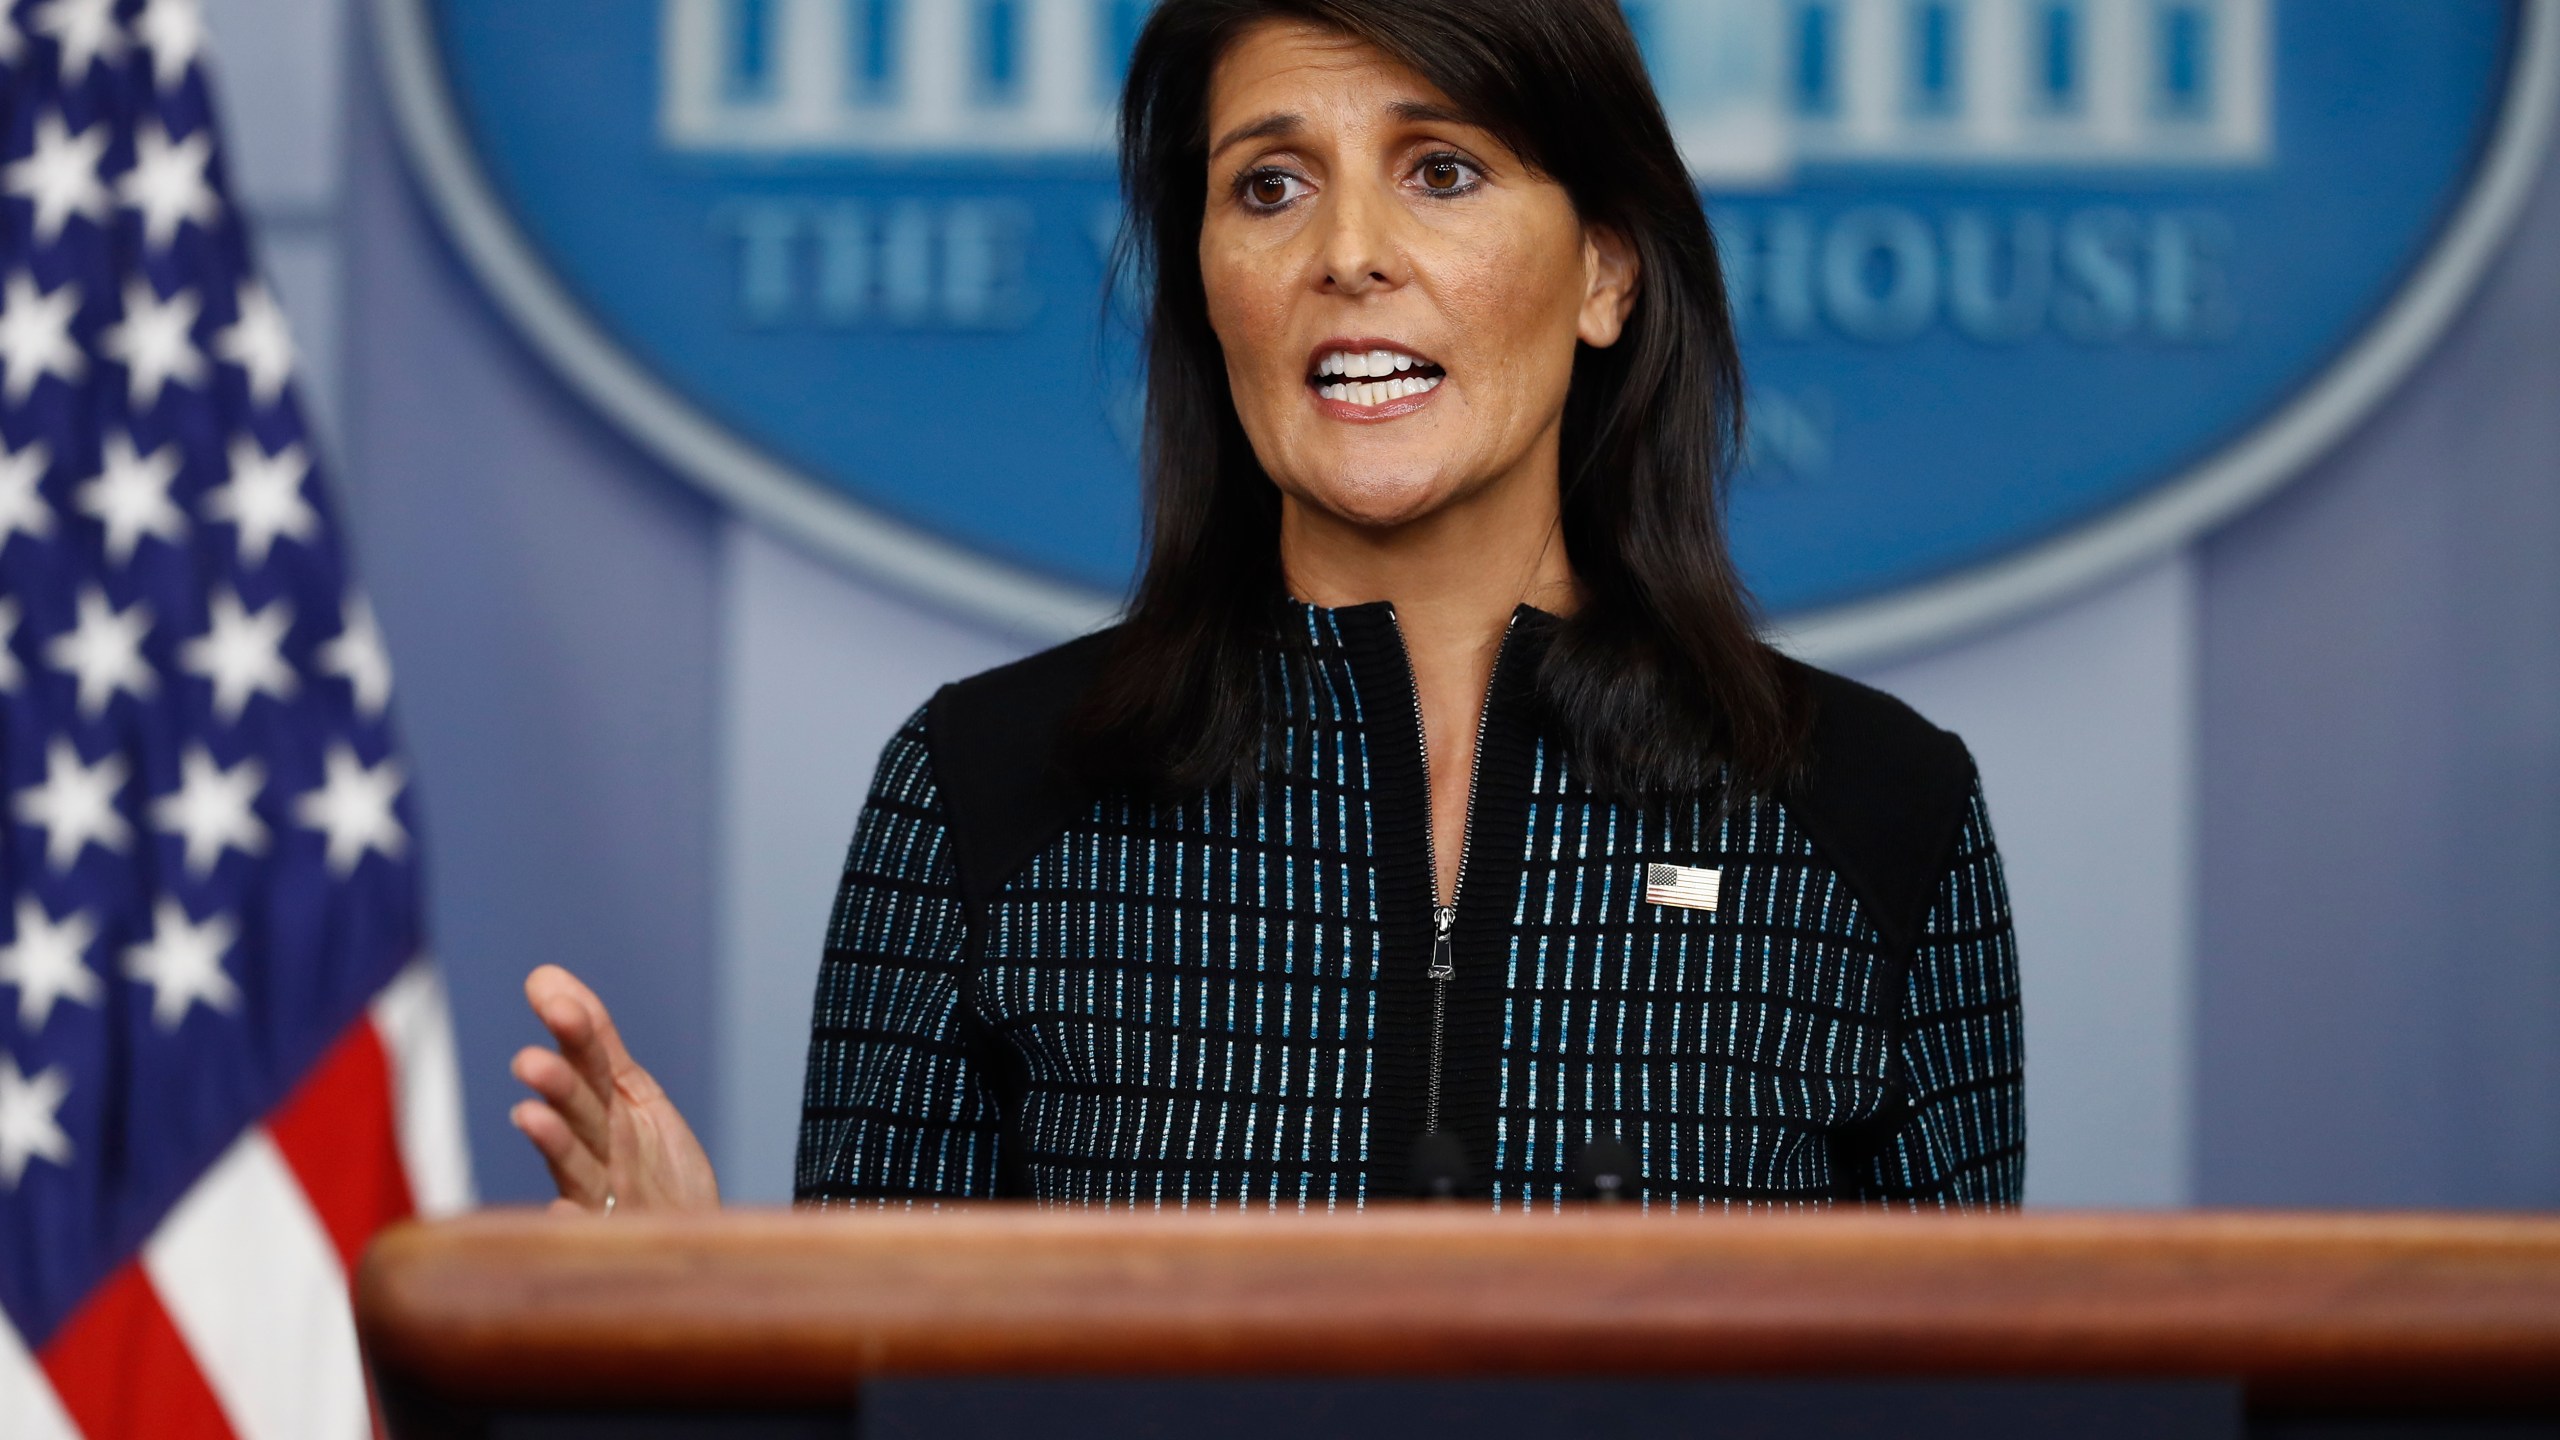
{"type": "Point", "coordinates": [1446, 175]}
{"type": "Point", "coordinates": [1271, 189]}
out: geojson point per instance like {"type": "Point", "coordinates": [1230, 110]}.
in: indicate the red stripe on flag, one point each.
{"type": "Point", "coordinates": [338, 1133]}
{"type": "Point", "coordinates": [122, 1369]}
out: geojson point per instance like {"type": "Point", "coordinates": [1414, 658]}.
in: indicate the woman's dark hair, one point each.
{"type": "Point", "coordinates": [1660, 675]}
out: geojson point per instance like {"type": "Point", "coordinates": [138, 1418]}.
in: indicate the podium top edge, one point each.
{"type": "Point", "coordinates": [2299, 1307]}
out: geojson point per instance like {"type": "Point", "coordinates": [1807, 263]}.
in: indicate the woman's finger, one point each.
{"type": "Point", "coordinates": [635, 1083]}
{"type": "Point", "coordinates": [567, 1092]}
{"type": "Point", "coordinates": [543, 1126]}
{"type": "Point", "coordinates": [575, 1171]}
{"type": "Point", "coordinates": [595, 1027]}
{"type": "Point", "coordinates": [580, 1023]}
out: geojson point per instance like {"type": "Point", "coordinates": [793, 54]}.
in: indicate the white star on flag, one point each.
{"type": "Point", "coordinates": [242, 654]}
{"type": "Point", "coordinates": [173, 31]}
{"type": "Point", "coordinates": [168, 183]}
{"type": "Point", "coordinates": [35, 335]}
{"type": "Point", "coordinates": [103, 651]}
{"type": "Point", "coordinates": [353, 807]}
{"type": "Point", "coordinates": [86, 29]}
{"type": "Point", "coordinates": [263, 499]}
{"type": "Point", "coordinates": [23, 510]}
{"type": "Point", "coordinates": [10, 674]}
{"type": "Point", "coordinates": [76, 804]}
{"type": "Point", "coordinates": [358, 657]}
{"type": "Point", "coordinates": [60, 176]}
{"type": "Point", "coordinates": [213, 808]}
{"type": "Point", "coordinates": [46, 962]}
{"type": "Point", "coordinates": [130, 496]}
{"type": "Point", "coordinates": [28, 1130]}
{"type": "Point", "coordinates": [156, 341]}
{"type": "Point", "coordinates": [260, 343]}
{"type": "Point", "coordinates": [182, 963]}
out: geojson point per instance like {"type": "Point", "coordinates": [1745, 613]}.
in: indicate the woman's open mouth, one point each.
{"type": "Point", "coordinates": [1372, 383]}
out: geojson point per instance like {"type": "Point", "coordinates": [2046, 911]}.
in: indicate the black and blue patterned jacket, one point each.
{"type": "Point", "coordinates": [1027, 991]}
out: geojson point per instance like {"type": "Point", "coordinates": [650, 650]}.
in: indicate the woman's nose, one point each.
{"type": "Point", "coordinates": [1359, 253]}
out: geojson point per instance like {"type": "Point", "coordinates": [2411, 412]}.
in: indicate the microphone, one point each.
{"type": "Point", "coordinates": [1606, 1171]}
{"type": "Point", "coordinates": [1440, 1170]}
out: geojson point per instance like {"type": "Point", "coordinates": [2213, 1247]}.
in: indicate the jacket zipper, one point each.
{"type": "Point", "coordinates": [1444, 918]}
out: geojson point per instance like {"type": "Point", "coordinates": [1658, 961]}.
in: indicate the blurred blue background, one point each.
{"type": "Point", "coordinates": [2282, 808]}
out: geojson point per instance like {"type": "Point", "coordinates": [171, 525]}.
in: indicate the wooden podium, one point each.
{"type": "Point", "coordinates": [2298, 1317]}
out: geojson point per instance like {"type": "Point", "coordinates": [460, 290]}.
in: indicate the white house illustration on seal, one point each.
{"type": "Point", "coordinates": [1753, 87]}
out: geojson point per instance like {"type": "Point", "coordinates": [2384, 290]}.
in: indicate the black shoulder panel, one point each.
{"type": "Point", "coordinates": [1884, 798]}
{"type": "Point", "coordinates": [998, 758]}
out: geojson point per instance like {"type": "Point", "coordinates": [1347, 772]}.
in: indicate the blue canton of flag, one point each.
{"type": "Point", "coordinates": [210, 1019]}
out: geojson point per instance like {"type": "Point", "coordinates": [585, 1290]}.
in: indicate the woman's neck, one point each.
{"type": "Point", "coordinates": [1455, 577]}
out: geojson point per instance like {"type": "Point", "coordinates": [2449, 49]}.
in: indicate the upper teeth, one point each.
{"type": "Point", "coordinates": [1360, 363]}
{"type": "Point", "coordinates": [1378, 392]}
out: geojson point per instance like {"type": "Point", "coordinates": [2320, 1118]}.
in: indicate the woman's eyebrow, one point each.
{"type": "Point", "coordinates": [1268, 127]}
{"type": "Point", "coordinates": [1424, 112]}
{"type": "Point", "coordinates": [1283, 123]}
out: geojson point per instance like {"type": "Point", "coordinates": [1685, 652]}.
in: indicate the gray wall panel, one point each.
{"type": "Point", "coordinates": [549, 598]}
{"type": "Point", "coordinates": [2380, 940]}
{"type": "Point", "coordinates": [2082, 720]}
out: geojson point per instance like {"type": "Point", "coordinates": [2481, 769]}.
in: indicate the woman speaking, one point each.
{"type": "Point", "coordinates": [1436, 821]}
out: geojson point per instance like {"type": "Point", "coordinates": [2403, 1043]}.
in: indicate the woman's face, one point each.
{"type": "Point", "coordinates": [1398, 296]}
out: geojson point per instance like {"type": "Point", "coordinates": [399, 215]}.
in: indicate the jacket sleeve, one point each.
{"type": "Point", "coordinates": [1959, 1132]}
{"type": "Point", "coordinates": [897, 1103]}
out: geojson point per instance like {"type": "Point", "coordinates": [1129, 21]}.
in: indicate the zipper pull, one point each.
{"type": "Point", "coordinates": [1444, 960]}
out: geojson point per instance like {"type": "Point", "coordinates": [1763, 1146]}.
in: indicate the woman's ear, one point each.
{"type": "Point", "coordinates": [1614, 272]}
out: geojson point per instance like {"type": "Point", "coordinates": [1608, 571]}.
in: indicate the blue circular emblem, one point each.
{"type": "Point", "coordinates": [2029, 289]}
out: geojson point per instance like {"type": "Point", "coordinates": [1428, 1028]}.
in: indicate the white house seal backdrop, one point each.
{"type": "Point", "coordinates": [2030, 290]}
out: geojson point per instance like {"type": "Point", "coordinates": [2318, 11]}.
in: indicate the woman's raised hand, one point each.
{"type": "Point", "coordinates": [611, 1137]}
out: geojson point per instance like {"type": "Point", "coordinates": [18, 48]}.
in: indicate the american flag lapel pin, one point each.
{"type": "Point", "coordinates": [1686, 886]}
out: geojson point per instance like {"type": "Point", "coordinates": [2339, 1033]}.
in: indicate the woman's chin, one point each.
{"type": "Point", "coordinates": [1378, 503]}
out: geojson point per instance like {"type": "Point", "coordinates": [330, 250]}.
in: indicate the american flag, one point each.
{"type": "Point", "coordinates": [224, 1062]}
{"type": "Point", "coordinates": [1685, 886]}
